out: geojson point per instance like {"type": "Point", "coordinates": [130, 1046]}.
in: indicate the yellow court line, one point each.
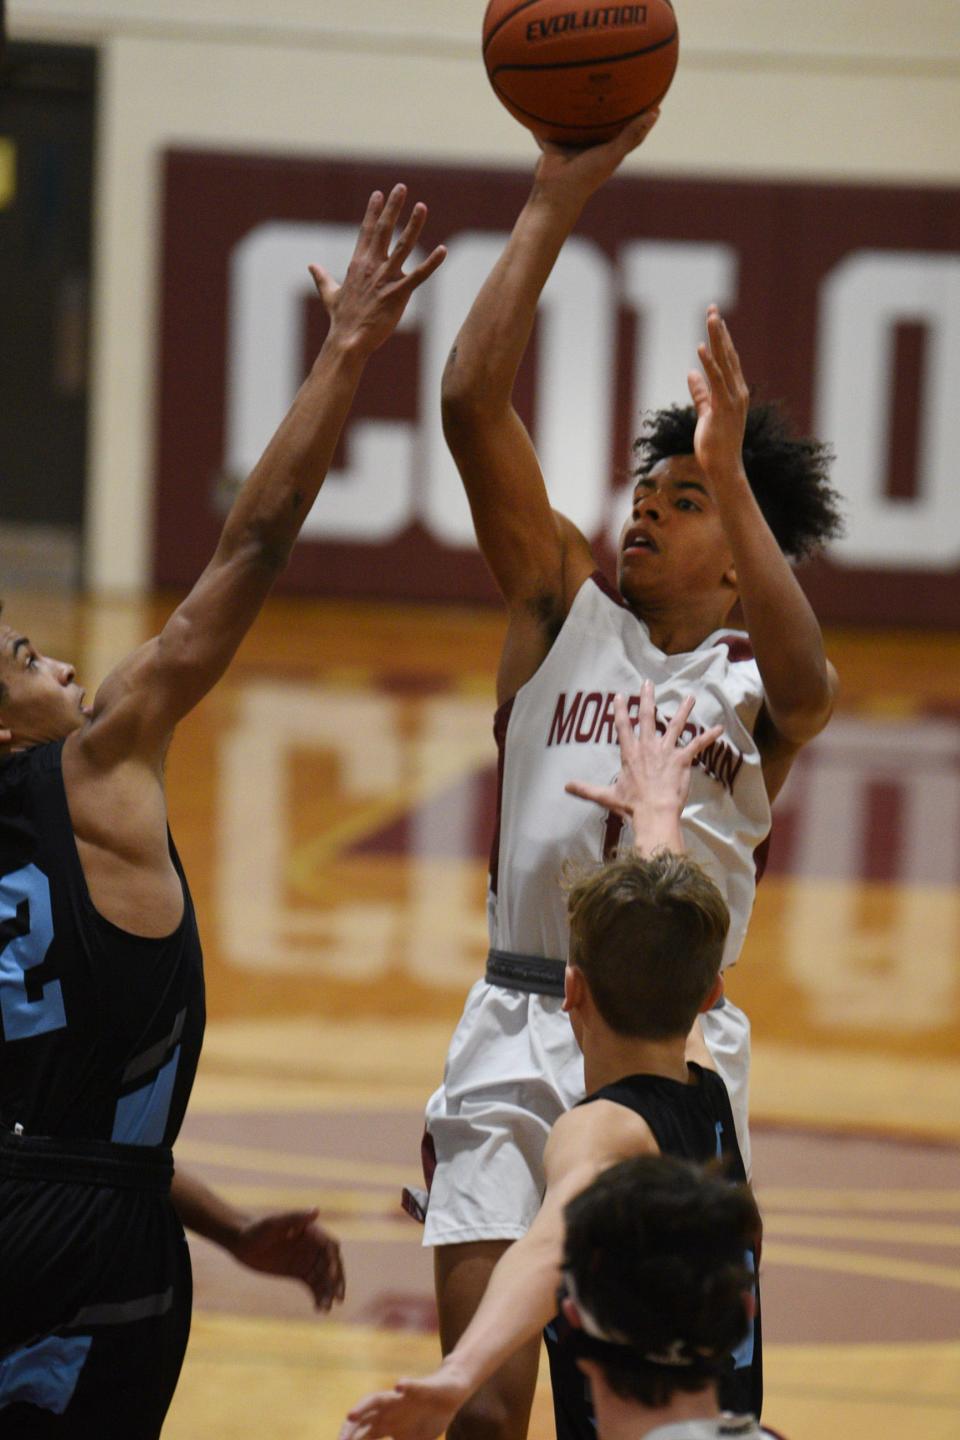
{"type": "Point", "coordinates": [892, 1232]}
{"type": "Point", "coordinates": [286, 1162]}
{"type": "Point", "coordinates": [329, 1344]}
{"type": "Point", "coordinates": [278, 1162]}
{"type": "Point", "coordinates": [382, 1231]}
{"type": "Point", "coordinates": [379, 1232]}
{"type": "Point", "coordinates": [222, 1090]}
{"type": "Point", "coordinates": [307, 1196]}
{"type": "Point", "coordinates": [772, 1197]}
{"type": "Point", "coordinates": [851, 1262]}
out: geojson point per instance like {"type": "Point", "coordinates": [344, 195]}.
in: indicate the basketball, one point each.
{"type": "Point", "coordinates": [577, 74]}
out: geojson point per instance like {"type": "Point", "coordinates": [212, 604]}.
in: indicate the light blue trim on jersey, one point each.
{"type": "Point", "coordinates": [141, 1117]}
{"type": "Point", "coordinates": [26, 931]}
{"type": "Point", "coordinates": [743, 1355]}
{"type": "Point", "coordinates": [44, 1374]}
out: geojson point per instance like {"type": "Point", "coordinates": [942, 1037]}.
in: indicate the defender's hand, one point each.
{"type": "Point", "coordinates": [654, 769]}
{"type": "Point", "coordinates": [721, 398]}
{"type": "Point", "coordinates": [294, 1244]}
{"type": "Point", "coordinates": [366, 309]}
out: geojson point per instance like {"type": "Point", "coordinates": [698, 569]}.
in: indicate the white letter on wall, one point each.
{"type": "Point", "coordinates": [574, 381]}
{"type": "Point", "coordinates": [864, 298]}
{"type": "Point", "coordinates": [373, 500]}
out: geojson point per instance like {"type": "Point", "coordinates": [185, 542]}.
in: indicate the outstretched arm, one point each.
{"type": "Point", "coordinates": [290, 1244]}
{"type": "Point", "coordinates": [799, 682]}
{"type": "Point", "coordinates": [522, 1294]}
{"type": "Point", "coordinates": [654, 780]}
{"type": "Point", "coordinates": [141, 701]}
{"type": "Point", "coordinates": [538, 560]}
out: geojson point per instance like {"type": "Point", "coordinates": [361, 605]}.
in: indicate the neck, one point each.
{"type": "Point", "coordinates": [674, 627]}
{"type": "Point", "coordinates": [608, 1057]}
{"type": "Point", "coordinates": [619, 1419]}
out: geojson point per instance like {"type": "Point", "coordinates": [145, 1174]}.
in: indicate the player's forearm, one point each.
{"type": "Point", "coordinates": [784, 631]}
{"type": "Point", "coordinates": [268, 513]}
{"type": "Point", "coordinates": [486, 355]}
{"type": "Point", "coordinates": [519, 1300]}
{"type": "Point", "coordinates": [200, 1209]}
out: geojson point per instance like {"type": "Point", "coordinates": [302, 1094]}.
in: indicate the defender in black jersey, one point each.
{"type": "Point", "coordinates": [101, 985]}
{"type": "Point", "coordinates": [653, 1297]}
{"type": "Point", "coordinates": [646, 939]}
{"type": "Point", "coordinates": [691, 1120]}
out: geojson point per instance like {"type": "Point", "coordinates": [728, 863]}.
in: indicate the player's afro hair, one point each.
{"type": "Point", "coordinates": [788, 474]}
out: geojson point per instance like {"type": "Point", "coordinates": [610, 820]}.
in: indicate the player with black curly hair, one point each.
{"type": "Point", "coordinates": [788, 474]}
{"type": "Point", "coordinates": [709, 508]}
{"type": "Point", "coordinates": [656, 1295]}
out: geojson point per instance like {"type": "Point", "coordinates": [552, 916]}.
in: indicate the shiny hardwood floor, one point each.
{"type": "Point", "coordinates": [333, 800]}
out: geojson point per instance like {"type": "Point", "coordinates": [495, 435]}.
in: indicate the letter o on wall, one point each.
{"type": "Point", "coordinates": [863, 300]}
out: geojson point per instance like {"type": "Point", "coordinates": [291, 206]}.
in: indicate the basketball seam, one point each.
{"type": "Point", "coordinates": [582, 64]}
{"type": "Point", "coordinates": [579, 125]}
{"type": "Point", "coordinates": [505, 20]}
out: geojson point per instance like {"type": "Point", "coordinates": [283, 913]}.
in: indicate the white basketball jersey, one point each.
{"type": "Point", "coordinates": [560, 727]}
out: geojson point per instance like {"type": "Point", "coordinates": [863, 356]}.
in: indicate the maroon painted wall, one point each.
{"type": "Point", "coordinates": [787, 248]}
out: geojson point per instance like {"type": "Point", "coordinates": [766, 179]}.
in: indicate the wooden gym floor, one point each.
{"type": "Point", "coordinates": [333, 802]}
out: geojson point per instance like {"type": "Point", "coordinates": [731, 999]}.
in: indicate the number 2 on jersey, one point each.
{"type": "Point", "coordinates": [26, 932]}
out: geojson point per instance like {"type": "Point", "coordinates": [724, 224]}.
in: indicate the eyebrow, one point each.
{"type": "Point", "coordinates": [647, 481]}
{"type": "Point", "coordinates": [21, 640]}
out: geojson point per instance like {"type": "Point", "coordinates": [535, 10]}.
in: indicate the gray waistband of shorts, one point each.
{"type": "Point", "coordinates": [533, 973]}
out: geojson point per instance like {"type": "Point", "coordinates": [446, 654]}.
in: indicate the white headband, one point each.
{"type": "Point", "coordinates": [673, 1356]}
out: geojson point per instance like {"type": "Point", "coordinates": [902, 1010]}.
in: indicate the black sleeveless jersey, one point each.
{"type": "Point", "coordinates": [100, 1030]}
{"type": "Point", "coordinates": [693, 1122]}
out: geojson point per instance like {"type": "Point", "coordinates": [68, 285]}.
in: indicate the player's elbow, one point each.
{"type": "Point", "coordinates": [462, 411]}
{"type": "Point", "coordinates": [260, 543]}
{"type": "Point", "coordinates": [801, 722]}
{"type": "Point", "coordinates": [469, 397]}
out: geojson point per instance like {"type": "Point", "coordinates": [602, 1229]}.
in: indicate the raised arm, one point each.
{"type": "Point", "coordinates": [799, 682]}
{"type": "Point", "coordinates": [538, 560]}
{"type": "Point", "coordinates": [652, 786]}
{"type": "Point", "coordinates": [138, 705]}
{"type": "Point", "coordinates": [522, 1294]}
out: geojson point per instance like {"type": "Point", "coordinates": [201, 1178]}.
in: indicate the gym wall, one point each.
{"type": "Point", "coordinates": [863, 95]}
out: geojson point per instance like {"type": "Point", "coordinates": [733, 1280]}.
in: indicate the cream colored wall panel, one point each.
{"type": "Point", "coordinates": [808, 125]}
{"type": "Point", "coordinates": [860, 33]}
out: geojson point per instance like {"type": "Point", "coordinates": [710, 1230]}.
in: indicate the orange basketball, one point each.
{"type": "Point", "coordinates": [577, 73]}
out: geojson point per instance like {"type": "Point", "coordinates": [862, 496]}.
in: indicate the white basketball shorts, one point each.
{"type": "Point", "coordinates": [512, 1069]}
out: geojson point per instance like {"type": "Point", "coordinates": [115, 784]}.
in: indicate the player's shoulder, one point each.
{"type": "Point", "coordinates": [608, 1129]}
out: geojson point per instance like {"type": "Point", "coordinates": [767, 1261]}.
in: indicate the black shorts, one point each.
{"type": "Point", "coordinates": [97, 1296]}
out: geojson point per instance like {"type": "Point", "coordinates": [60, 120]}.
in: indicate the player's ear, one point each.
{"type": "Point", "coordinates": [570, 1313]}
{"type": "Point", "coordinates": [715, 993]}
{"type": "Point", "coordinates": [572, 988]}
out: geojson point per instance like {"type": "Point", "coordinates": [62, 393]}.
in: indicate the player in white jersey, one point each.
{"type": "Point", "coordinates": [721, 493]}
